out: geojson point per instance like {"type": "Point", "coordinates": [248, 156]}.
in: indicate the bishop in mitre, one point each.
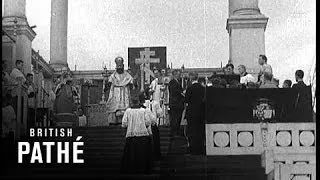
{"type": "Point", "coordinates": [120, 83]}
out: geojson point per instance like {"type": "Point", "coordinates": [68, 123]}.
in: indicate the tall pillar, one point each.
{"type": "Point", "coordinates": [246, 27]}
{"type": "Point", "coordinates": [15, 23]}
{"type": "Point", "coordinates": [16, 8]}
{"type": "Point", "coordinates": [59, 34]}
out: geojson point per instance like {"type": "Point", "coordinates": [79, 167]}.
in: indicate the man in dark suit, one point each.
{"type": "Point", "coordinates": [303, 99]}
{"type": "Point", "coordinates": [299, 78]}
{"type": "Point", "coordinates": [195, 115]}
{"type": "Point", "coordinates": [176, 103]}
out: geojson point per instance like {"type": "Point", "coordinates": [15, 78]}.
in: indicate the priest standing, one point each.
{"type": "Point", "coordinates": [119, 97]}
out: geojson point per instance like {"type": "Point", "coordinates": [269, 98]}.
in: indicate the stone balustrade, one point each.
{"type": "Point", "coordinates": [293, 171]}
{"type": "Point", "coordinates": [286, 149]}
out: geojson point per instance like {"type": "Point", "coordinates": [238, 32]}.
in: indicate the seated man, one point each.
{"type": "Point", "coordinates": [244, 76]}
{"type": "Point", "coordinates": [287, 83]}
{"type": "Point", "coordinates": [229, 69]}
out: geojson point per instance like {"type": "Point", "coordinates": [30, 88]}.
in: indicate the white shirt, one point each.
{"type": "Point", "coordinates": [16, 73]}
{"type": "Point", "coordinates": [137, 121]}
{"type": "Point", "coordinates": [16, 76]}
{"type": "Point", "coordinates": [247, 78]}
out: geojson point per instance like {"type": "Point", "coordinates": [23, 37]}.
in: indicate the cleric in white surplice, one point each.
{"type": "Point", "coordinates": [137, 153]}
{"type": "Point", "coordinates": [119, 96]}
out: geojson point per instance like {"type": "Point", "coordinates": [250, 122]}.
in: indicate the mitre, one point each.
{"type": "Point", "coordinates": [119, 60]}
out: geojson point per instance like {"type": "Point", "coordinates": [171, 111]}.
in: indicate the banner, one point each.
{"type": "Point", "coordinates": [144, 59]}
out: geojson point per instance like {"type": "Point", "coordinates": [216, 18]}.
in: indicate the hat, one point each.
{"type": "Point", "coordinates": [119, 60]}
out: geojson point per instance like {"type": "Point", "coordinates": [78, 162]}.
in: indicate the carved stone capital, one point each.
{"type": "Point", "coordinates": [246, 21]}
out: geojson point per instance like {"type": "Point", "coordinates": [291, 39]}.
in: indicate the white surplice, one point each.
{"type": "Point", "coordinates": [138, 122]}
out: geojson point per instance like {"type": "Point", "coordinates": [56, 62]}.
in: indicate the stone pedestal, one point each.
{"type": "Point", "coordinates": [246, 27]}
{"type": "Point", "coordinates": [59, 34]}
{"type": "Point", "coordinates": [15, 23]}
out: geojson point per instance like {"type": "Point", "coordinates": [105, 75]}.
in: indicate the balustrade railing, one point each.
{"type": "Point", "coordinates": [286, 149]}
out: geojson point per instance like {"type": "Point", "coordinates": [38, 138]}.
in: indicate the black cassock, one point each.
{"type": "Point", "coordinates": [195, 118]}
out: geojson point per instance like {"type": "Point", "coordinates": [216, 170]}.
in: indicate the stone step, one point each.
{"type": "Point", "coordinates": [246, 160]}
{"type": "Point", "coordinates": [91, 173]}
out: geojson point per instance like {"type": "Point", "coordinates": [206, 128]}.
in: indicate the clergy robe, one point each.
{"type": "Point", "coordinates": [119, 95]}
{"type": "Point", "coordinates": [64, 107]}
{"type": "Point", "coordinates": [156, 110]}
{"type": "Point", "coordinates": [155, 87]}
{"type": "Point", "coordinates": [195, 117]}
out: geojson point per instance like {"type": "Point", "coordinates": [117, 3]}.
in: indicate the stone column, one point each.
{"type": "Point", "coordinates": [59, 34]}
{"type": "Point", "coordinates": [16, 8]}
{"type": "Point", "coordinates": [246, 26]}
{"type": "Point", "coordinates": [15, 23]}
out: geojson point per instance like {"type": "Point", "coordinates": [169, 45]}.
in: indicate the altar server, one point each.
{"type": "Point", "coordinates": [137, 154]}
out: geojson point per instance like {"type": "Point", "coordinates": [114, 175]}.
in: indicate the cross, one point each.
{"type": "Point", "coordinates": [144, 62]}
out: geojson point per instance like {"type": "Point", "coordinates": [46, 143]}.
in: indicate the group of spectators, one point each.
{"type": "Point", "coordinates": [265, 77]}
{"type": "Point", "coordinates": [186, 108]}
{"type": "Point", "coordinates": [10, 85]}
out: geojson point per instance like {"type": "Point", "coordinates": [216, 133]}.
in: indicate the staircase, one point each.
{"type": "Point", "coordinates": [103, 153]}
{"type": "Point", "coordinates": [103, 148]}
{"type": "Point", "coordinates": [183, 166]}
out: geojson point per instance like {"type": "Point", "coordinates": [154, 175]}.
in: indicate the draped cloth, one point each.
{"type": "Point", "coordinates": [119, 96]}
{"type": "Point", "coordinates": [64, 102]}
{"type": "Point", "coordinates": [64, 107]}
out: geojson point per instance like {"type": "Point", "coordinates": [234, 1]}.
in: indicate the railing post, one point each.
{"type": "Point", "coordinates": [19, 111]}
{"type": "Point", "coordinates": [25, 111]}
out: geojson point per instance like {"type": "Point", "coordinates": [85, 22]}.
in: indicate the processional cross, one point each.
{"type": "Point", "coordinates": [144, 62]}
